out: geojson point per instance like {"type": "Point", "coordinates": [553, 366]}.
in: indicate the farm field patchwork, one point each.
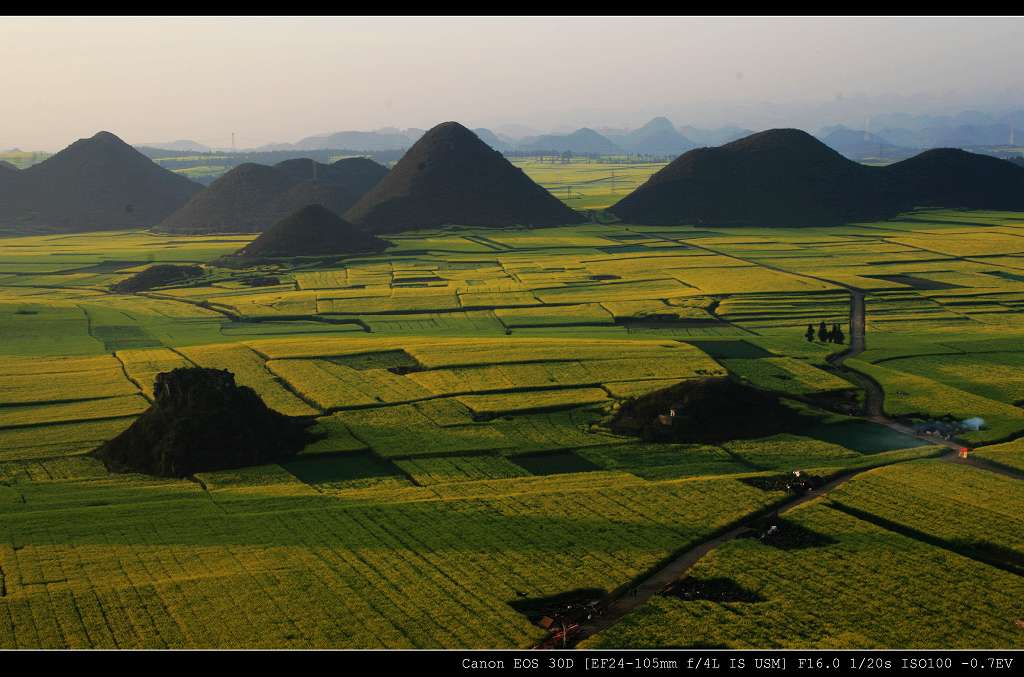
{"type": "Point", "coordinates": [906, 592]}
{"type": "Point", "coordinates": [460, 386]}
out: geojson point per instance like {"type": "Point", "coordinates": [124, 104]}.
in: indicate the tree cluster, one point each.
{"type": "Point", "coordinates": [825, 334]}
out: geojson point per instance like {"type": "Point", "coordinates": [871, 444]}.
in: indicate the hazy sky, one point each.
{"type": "Point", "coordinates": [279, 79]}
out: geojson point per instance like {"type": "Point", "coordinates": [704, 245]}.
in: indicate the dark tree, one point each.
{"type": "Point", "coordinates": [810, 333]}
{"type": "Point", "coordinates": [823, 332]}
{"type": "Point", "coordinates": [200, 421]}
{"type": "Point", "coordinates": [837, 334]}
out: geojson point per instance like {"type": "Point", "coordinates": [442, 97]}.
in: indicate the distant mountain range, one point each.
{"type": "Point", "coordinates": [659, 137]}
{"type": "Point", "coordinates": [180, 145]}
{"type": "Point", "coordinates": [895, 132]}
{"type": "Point", "coordinates": [714, 137]}
{"type": "Point", "coordinates": [860, 145]}
{"type": "Point", "coordinates": [494, 140]}
{"type": "Point", "coordinates": [961, 136]}
{"type": "Point", "coordinates": [897, 143]}
{"type": "Point", "coordinates": [965, 129]}
{"type": "Point", "coordinates": [383, 139]}
{"type": "Point", "coordinates": [969, 129]}
{"type": "Point", "coordinates": [583, 141]}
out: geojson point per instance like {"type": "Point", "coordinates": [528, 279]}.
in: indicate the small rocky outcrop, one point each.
{"type": "Point", "coordinates": [159, 275]}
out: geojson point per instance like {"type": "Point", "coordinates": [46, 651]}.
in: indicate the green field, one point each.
{"type": "Point", "coordinates": [588, 183]}
{"type": "Point", "coordinates": [852, 584]}
{"type": "Point", "coordinates": [461, 379]}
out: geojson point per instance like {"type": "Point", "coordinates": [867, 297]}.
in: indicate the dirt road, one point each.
{"type": "Point", "coordinates": [654, 583]}
{"type": "Point", "coordinates": [679, 565]}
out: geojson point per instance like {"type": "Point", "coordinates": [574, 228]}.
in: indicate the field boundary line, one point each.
{"type": "Point", "coordinates": [124, 370]}
{"type": "Point", "coordinates": [43, 403]}
{"type": "Point", "coordinates": [43, 424]}
{"type": "Point", "coordinates": [918, 535]}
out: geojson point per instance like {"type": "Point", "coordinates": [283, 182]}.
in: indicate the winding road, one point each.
{"type": "Point", "coordinates": [627, 601]}
{"type": "Point", "coordinates": [874, 395]}
{"type": "Point", "coordinates": [633, 597]}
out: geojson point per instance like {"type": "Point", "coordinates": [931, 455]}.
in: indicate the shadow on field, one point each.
{"type": "Point", "coordinates": [180, 513]}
